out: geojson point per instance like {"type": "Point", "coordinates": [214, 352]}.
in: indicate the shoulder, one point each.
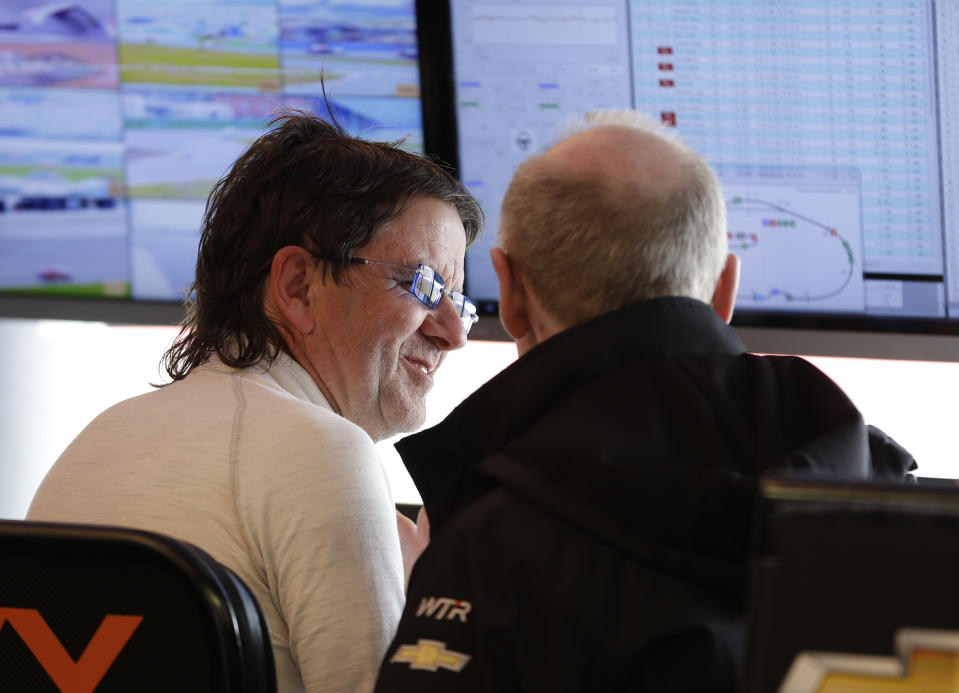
{"type": "Point", "coordinates": [291, 453]}
{"type": "Point", "coordinates": [762, 377]}
{"type": "Point", "coordinates": [300, 432]}
{"type": "Point", "coordinates": [287, 421]}
{"type": "Point", "coordinates": [794, 376]}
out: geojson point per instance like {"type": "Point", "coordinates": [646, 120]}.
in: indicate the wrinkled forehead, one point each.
{"type": "Point", "coordinates": [428, 232]}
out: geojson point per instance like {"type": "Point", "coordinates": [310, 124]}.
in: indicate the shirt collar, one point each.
{"type": "Point", "coordinates": [284, 372]}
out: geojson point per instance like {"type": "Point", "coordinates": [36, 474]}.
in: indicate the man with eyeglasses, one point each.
{"type": "Point", "coordinates": [590, 505]}
{"type": "Point", "coordinates": [327, 294]}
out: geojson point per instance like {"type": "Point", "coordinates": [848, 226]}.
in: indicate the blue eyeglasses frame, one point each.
{"type": "Point", "coordinates": [428, 286]}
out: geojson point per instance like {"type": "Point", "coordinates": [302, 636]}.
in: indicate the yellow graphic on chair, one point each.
{"type": "Point", "coordinates": [925, 660]}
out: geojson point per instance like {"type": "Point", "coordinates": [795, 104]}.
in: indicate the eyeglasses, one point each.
{"type": "Point", "coordinates": [429, 287]}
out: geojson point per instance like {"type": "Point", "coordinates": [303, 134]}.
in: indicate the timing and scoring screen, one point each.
{"type": "Point", "coordinates": [833, 126]}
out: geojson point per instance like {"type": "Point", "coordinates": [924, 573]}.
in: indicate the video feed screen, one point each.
{"type": "Point", "coordinates": [118, 116]}
{"type": "Point", "coordinates": [833, 126]}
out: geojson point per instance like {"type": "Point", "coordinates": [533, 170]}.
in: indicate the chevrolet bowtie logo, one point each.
{"type": "Point", "coordinates": [430, 655]}
{"type": "Point", "coordinates": [926, 661]}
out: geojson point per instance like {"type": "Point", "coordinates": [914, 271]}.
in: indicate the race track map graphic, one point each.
{"type": "Point", "coordinates": [810, 216]}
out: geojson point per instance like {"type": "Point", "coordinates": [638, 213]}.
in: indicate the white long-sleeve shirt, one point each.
{"type": "Point", "coordinates": [254, 467]}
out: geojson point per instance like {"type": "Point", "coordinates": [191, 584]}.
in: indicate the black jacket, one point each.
{"type": "Point", "coordinates": [590, 507]}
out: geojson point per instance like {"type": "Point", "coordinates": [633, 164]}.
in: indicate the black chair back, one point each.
{"type": "Point", "coordinates": [95, 608]}
{"type": "Point", "coordinates": [846, 569]}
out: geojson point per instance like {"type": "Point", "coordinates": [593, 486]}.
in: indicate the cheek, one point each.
{"type": "Point", "coordinates": [374, 319]}
{"type": "Point", "coordinates": [394, 331]}
{"type": "Point", "coordinates": [403, 318]}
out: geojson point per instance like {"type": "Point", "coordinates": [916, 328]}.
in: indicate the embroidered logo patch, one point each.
{"type": "Point", "coordinates": [430, 655]}
{"type": "Point", "coordinates": [444, 607]}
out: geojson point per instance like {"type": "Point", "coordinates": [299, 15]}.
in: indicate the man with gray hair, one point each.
{"type": "Point", "coordinates": [590, 505]}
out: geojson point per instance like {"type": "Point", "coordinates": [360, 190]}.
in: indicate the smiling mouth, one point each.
{"type": "Point", "coordinates": [423, 366]}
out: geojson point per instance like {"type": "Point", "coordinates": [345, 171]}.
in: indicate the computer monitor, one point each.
{"type": "Point", "coordinates": [844, 575]}
{"type": "Point", "coordinates": [117, 116]}
{"type": "Point", "coordinates": [832, 127]}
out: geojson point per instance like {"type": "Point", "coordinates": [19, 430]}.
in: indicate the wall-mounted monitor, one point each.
{"type": "Point", "coordinates": [117, 116]}
{"type": "Point", "coordinates": [833, 127]}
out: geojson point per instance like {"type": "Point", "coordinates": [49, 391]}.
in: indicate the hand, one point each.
{"type": "Point", "coordinates": [413, 539]}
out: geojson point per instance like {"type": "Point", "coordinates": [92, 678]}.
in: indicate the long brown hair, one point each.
{"type": "Point", "coordinates": [305, 182]}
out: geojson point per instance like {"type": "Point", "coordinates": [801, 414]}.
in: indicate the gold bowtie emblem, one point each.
{"type": "Point", "coordinates": [430, 655]}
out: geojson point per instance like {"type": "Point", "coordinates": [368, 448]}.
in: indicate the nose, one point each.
{"type": "Point", "coordinates": [443, 326]}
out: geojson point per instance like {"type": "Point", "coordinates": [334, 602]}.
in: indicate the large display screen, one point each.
{"type": "Point", "coordinates": [117, 117]}
{"type": "Point", "coordinates": [833, 126]}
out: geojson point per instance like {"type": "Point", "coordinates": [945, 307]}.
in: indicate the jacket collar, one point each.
{"type": "Point", "coordinates": [442, 460]}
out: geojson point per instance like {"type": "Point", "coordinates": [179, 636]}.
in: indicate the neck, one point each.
{"type": "Point", "coordinates": [307, 365]}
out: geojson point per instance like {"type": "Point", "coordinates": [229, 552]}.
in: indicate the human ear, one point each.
{"type": "Point", "coordinates": [513, 304]}
{"type": "Point", "coordinates": [289, 286]}
{"type": "Point", "coordinates": [724, 297]}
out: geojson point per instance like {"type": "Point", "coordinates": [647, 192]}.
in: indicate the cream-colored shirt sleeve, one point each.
{"type": "Point", "coordinates": [314, 502]}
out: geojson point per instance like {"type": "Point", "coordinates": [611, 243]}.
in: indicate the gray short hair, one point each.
{"type": "Point", "coordinates": [593, 244]}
